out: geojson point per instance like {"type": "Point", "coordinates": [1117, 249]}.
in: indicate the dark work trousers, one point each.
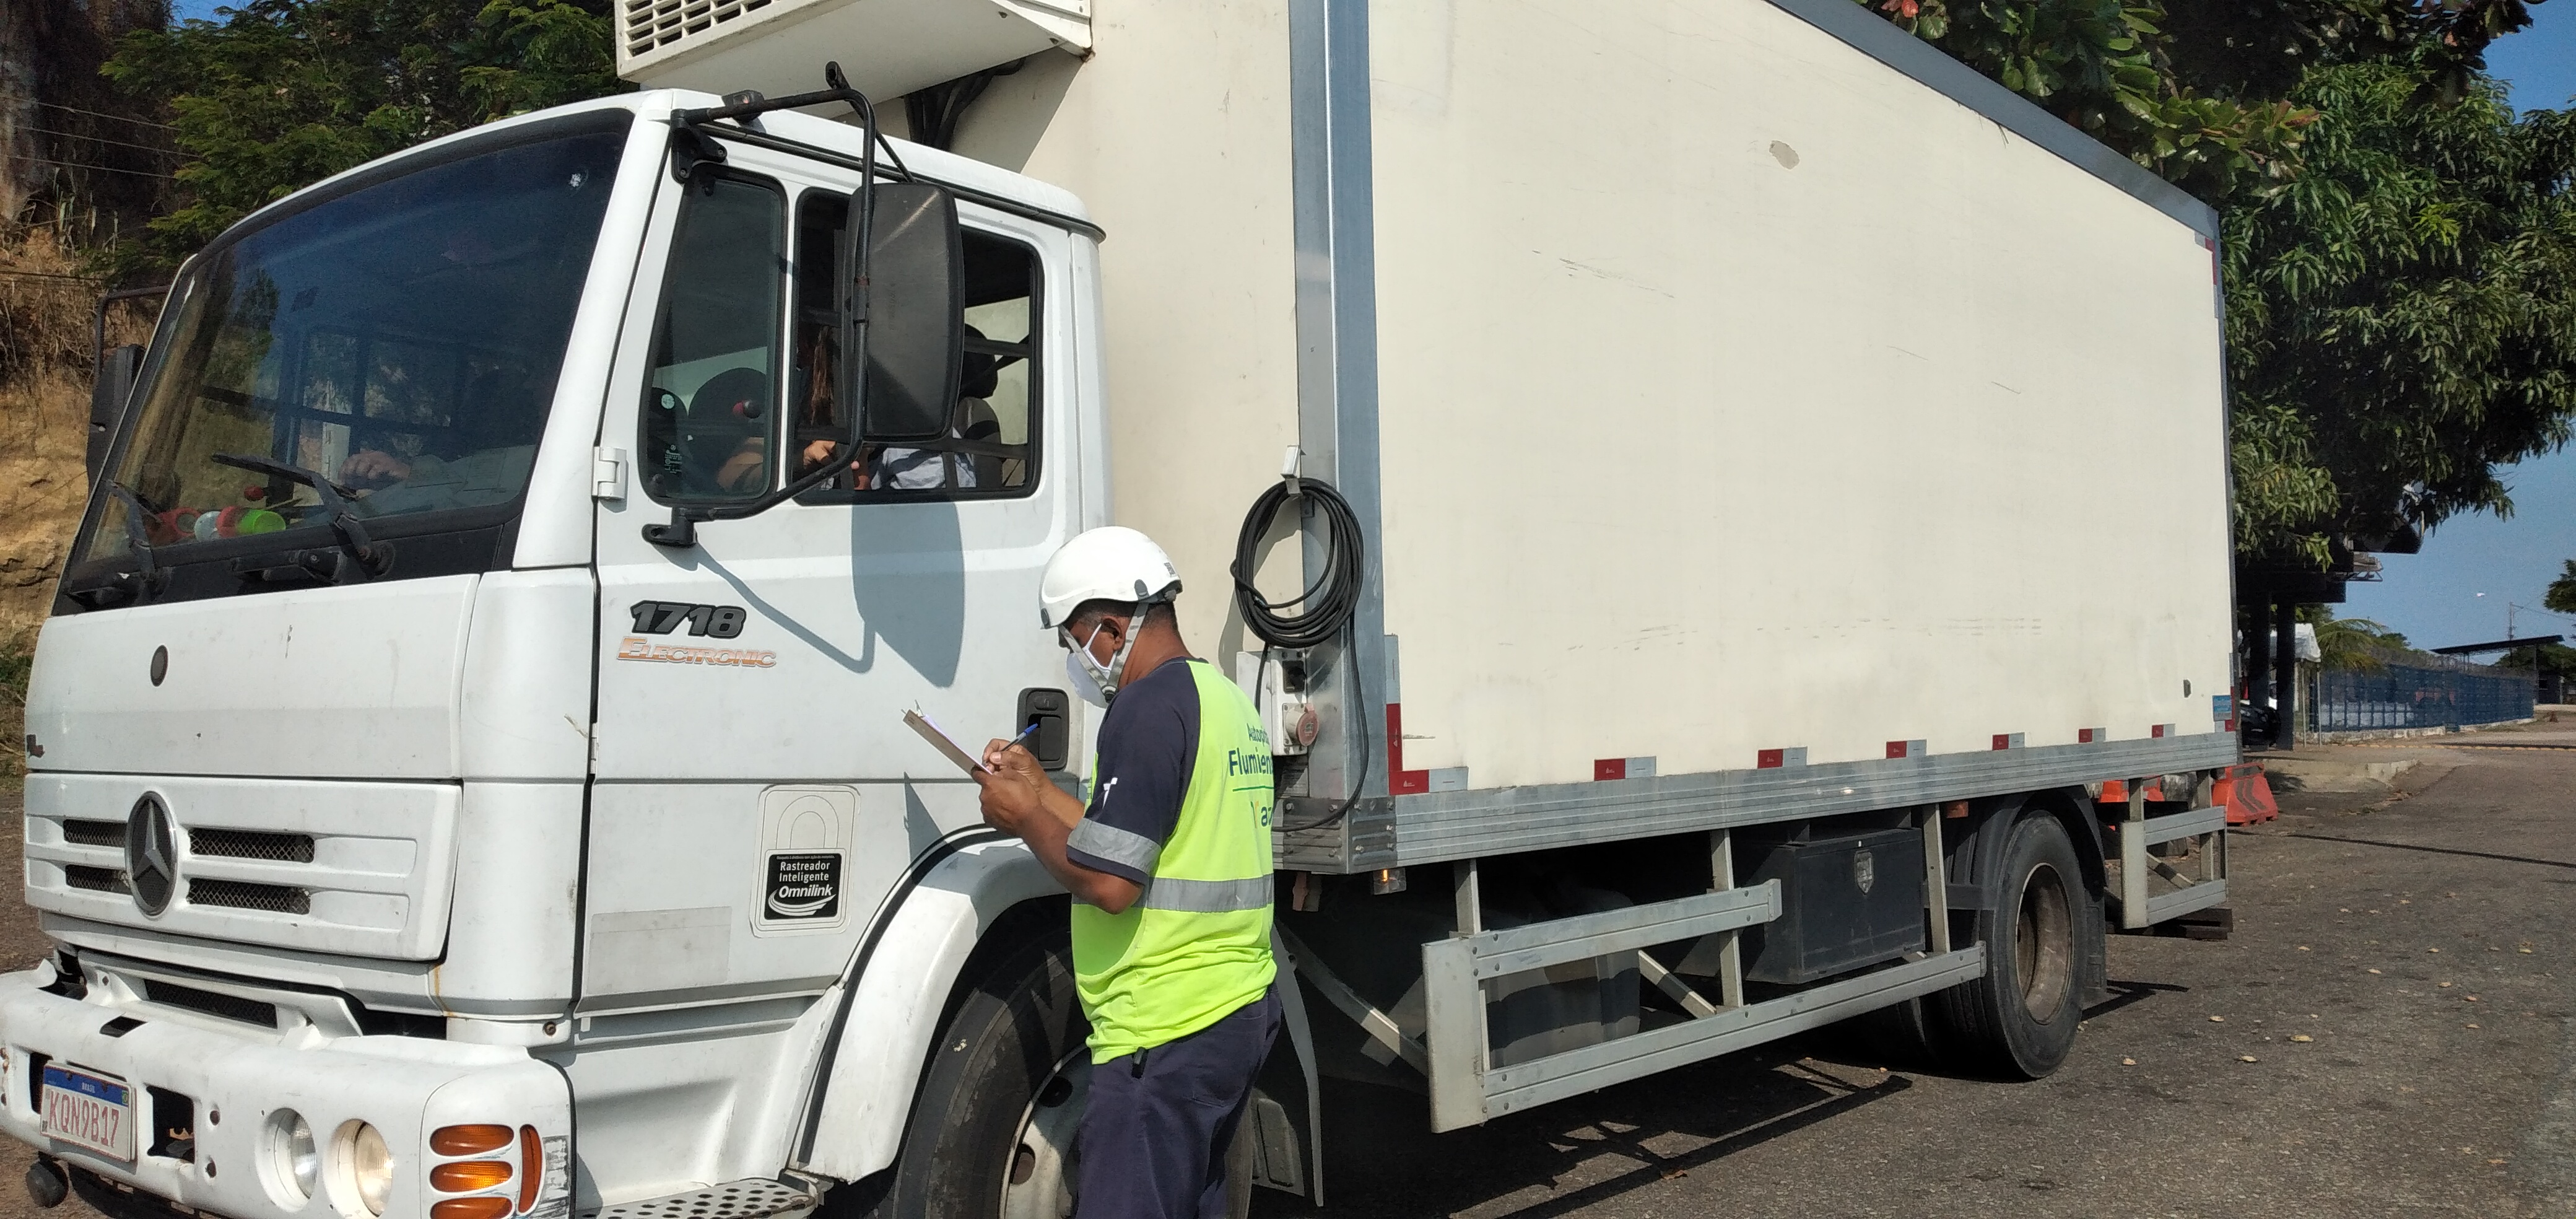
{"type": "Point", "coordinates": [1155, 1133]}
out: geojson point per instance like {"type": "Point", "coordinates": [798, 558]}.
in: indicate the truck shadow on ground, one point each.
{"type": "Point", "coordinates": [1381, 1159]}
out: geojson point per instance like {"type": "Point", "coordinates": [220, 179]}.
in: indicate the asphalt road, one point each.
{"type": "Point", "coordinates": [2420, 941]}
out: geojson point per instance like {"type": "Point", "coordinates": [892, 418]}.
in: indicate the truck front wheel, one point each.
{"type": "Point", "coordinates": [993, 1126]}
{"type": "Point", "coordinates": [2019, 1020]}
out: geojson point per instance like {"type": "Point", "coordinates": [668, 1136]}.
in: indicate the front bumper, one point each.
{"type": "Point", "coordinates": [226, 1079]}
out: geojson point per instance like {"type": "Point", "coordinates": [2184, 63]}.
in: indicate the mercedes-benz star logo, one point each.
{"type": "Point", "coordinates": [151, 855]}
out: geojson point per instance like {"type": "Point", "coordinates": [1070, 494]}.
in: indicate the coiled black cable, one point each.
{"type": "Point", "coordinates": [1324, 611]}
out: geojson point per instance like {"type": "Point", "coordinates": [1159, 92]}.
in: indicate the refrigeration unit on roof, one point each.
{"type": "Point", "coordinates": [888, 47]}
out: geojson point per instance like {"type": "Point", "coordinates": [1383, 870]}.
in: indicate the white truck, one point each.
{"type": "Point", "coordinates": [468, 777]}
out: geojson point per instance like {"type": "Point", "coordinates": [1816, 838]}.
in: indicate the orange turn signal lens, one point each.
{"type": "Point", "coordinates": [467, 1176]}
{"type": "Point", "coordinates": [468, 1140]}
{"type": "Point", "coordinates": [470, 1208]}
{"type": "Point", "coordinates": [532, 1168]}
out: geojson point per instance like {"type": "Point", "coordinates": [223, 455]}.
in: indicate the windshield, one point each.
{"type": "Point", "coordinates": [401, 339]}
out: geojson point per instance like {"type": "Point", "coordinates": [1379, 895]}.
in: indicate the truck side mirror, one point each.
{"type": "Point", "coordinates": [107, 395]}
{"type": "Point", "coordinates": [909, 296]}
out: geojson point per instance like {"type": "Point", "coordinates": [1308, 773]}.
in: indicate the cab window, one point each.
{"type": "Point", "coordinates": [710, 396]}
{"type": "Point", "coordinates": [991, 447]}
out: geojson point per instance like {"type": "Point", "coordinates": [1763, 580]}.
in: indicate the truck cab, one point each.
{"type": "Point", "coordinates": [389, 783]}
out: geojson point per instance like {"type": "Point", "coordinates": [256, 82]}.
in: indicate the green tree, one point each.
{"type": "Point", "coordinates": [282, 93]}
{"type": "Point", "coordinates": [2561, 597]}
{"type": "Point", "coordinates": [2402, 313]}
{"type": "Point", "coordinates": [2358, 643]}
{"type": "Point", "coordinates": [2200, 90]}
{"type": "Point", "coordinates": [2555, 658]}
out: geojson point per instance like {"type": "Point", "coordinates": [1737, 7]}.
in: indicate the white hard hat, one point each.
{"type": "Point", "coordinates": [1111, 563]}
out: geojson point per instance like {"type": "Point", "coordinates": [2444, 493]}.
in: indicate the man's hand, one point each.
{"type": "Point", "coordinates": [1021, 801]}
{"type": "Point", "coordinates": [374, 466]}
{"type": "Point", "coordinates": [1015, 788]}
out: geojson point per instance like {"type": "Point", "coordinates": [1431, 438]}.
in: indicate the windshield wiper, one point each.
{"type": "Point", "coordinates": [369, 556]}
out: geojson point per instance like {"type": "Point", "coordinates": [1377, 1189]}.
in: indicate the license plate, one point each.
{"type": "Point", "coordinates": [87, 1111]}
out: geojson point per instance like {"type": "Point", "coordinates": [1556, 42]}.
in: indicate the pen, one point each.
{"type": "Point", "coordinates": [1007, 747]}
{"type": "Point", "coordinates": [1024, 735]}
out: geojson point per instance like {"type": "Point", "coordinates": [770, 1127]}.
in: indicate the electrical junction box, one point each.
{"type": "Point", "coordinates": [1277, 689]}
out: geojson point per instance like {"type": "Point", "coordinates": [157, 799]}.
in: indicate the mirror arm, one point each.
{"type": "Point", "coordinates": [682, 531]}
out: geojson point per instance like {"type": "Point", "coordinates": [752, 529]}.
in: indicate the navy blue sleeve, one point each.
{"type": "Point", "coordinates": [1149, 743]}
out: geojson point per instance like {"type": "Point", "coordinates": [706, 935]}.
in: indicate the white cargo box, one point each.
{"type": "Point", "coordinates": [1749, 407]}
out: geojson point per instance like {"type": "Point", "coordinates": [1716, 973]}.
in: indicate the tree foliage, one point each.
{"type": "Point", "coordinates": [2402, 313]}
{"type": "Point", "coordinates": [2200, 90]}
{"type": "Point", "coordinates": [282, 93]}
{"type": "Point", "coordinates": [2358, 644]}
{"type": "Point", "coordinates": [2561, 597]}
{"type": "Point", "coordinates": [2555, 658]}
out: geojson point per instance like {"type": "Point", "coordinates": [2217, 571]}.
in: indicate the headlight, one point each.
{"type": "Point", "coordinates": [363, 1168]}
{"type": "Point", "coordinates": [294, 1162]}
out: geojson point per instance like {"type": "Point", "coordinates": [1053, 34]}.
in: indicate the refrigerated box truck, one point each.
{"type": "Point", "coordinates": [1759, 492]}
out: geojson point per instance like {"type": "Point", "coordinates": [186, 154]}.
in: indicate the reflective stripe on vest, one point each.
{"type": "Point", "coordinates": [1205, 896]}
{"type": "Point", "coordinates": [1195, 945]}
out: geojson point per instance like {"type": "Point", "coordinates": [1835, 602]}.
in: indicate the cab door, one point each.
{"type": "Point", "coordinates": [756, 790]}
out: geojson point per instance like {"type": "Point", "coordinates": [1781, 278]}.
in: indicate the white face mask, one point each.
{"type": "Point", "coordinates": [1093, 682]}
{"type": "Point", "coordinates": [1077, 669]}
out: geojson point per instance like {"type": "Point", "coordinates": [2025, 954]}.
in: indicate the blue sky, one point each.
{"type": "Point", "coordinates": [2474, 568]}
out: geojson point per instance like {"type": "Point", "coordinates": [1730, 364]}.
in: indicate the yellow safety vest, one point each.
{"type": "Point", "coordinates": [1195, 946]}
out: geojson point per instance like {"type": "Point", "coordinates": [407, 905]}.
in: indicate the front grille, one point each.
{"type": "Point", "coordinates": [96, 880]}
{"type": "Point", "coordinates": [242, 895]}
{"type": "Point", "coordinates": [82, 833]}
{"type": "Point", "coordinates": [251, 844]}
{"type": "Point", "coordinates": [230, 1007]}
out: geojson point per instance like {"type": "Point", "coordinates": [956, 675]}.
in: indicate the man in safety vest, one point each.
{"type": "Point", "coordinates": [1169, 867]}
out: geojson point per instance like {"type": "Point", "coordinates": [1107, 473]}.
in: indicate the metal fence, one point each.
{"type": "Point", "coordinates": [2417, 696]}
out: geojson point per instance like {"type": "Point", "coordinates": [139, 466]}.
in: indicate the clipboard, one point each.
{"type": "Point", "coordinates": [940, 741]}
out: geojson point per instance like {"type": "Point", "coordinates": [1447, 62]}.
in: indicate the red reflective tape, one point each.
{"type": "Point", "coordinates": [1399, 781]}
{"type": "Point", "coordinates": [1609, 768]}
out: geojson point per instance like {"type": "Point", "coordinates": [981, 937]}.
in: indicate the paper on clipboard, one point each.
{"type": "Point", "coordinates": [940, 741]}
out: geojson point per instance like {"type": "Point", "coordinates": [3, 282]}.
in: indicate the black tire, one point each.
{"type": "Point", "coordinates": [2018, 1021]}
{"type": "Point", "coordinates": [999, 1048]}
{"type": "Point", "coordinates": [1013, 1050]}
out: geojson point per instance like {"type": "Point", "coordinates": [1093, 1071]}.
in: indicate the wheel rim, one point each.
{"type": "Point", "coordinates": [2044, 944]}
{"type": "Point", "coordinates": [1037, 1182]}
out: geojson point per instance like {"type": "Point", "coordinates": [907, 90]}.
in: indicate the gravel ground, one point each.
{"type": "Point", "coordinates": [2419, 940]}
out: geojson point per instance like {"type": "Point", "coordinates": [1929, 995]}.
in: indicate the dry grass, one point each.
{"type": "Point", "coordinates": [45, 309]}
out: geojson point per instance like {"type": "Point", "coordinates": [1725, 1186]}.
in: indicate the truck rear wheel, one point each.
{"type": "Point", "coordinates": [993, 1126]}
{"type": "Point", "coordinates": [2019, 1020]}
